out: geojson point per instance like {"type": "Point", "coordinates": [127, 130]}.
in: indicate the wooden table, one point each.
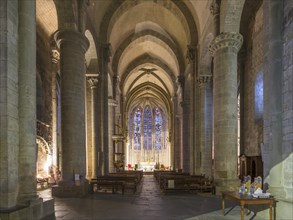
{"type": "Point", "coordinates": [245, 199]}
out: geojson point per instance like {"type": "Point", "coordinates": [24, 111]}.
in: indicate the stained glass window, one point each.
{"type": "Point", "coordinates": [137, 129]}
{"type": "Point", "coordinates": [147, 120]}
{"type": "Point", "coordinates": [158, 129]}
{"type": "Point", "coordinates": [164, 131]}
{"type": "Point", "coordinates": [130, 128]}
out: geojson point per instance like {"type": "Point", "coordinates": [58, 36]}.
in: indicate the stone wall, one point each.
{"type": "Point", "coordinates": [288, 100]}
{"type": "Point", "coordinates": [252, 128]}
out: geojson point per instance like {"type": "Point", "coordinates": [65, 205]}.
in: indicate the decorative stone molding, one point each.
{"type": "Point", "coordinates": [93, 80]}
{"type": "Point", "coordinates": [203, 80]}
{"type": "Point", "coordinates": [190, 54]}
{"type": "Point", "coordinates": [72, 38]}
{"type": "Point", "coordinates": [226, 40]}
{"type": "Point", "coordinates": [181, 81]}
{"type": "Point", "coordinates": [112, 102]}
{"type": "Point", "coordinates": [55, 56]}
{"type": "Point", "coordinates": [215, 8]}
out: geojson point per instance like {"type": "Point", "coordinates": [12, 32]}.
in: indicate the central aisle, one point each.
{"type": "Point", "coordinates": [148, 203]}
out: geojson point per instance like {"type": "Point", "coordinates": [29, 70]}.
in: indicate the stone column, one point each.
{"type": "Point", "coordinates": [8, 107]}
{"type": "Point", "coordinates": [112, 105]}
{"type": "Point", "coordinates": [185, 137]}
{"type": "Point", "coordinates": [273, 93]}
{"type": "Point", "coordinates": [27, 101]}
{"type": "Point", "coordinates": [177, 142]}
{"type": "Point", "coordinates": [55, 57]}
{"type": "Point", "coordinates": [215, 11]}
{"type": "Point", "coordinates": [206, 123]}
{"type": "Point", "coordinates": [93, 81]}
{"type": "Point", "coordinates": [185, 104]}
{"type": "Point", "coordinates": [104, 55]}
{"type": "Point", "coordinates": [193, 116]}
{"type": "Point", "coordinates": [224, 49]}
{"type": "Point", "coordinates": [73, 46]}
{"type": "Point", "coordinates": [174, 141]}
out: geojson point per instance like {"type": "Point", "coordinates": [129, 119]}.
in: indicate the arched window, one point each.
{"type": "Point", "coordinates": [158, 129]}
{"type": "Point", "coordinates": [147, 128]}
{"type": "Point", "coordinates": [137, 129]}
{"type": "Point", "coordinates": [130, 128]}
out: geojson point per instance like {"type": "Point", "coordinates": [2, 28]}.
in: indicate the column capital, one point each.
{"type": "Point", "coordinates": [73, 37]}
{"type": "Point", "coordinates": [55, 56]}
{"type": "Point", "coordinates": [226, 40]}
{"type": "Point", "coordinates": [93, 80]}
{"type": "Point", "coordinates": [215, 8]}
{"type": "Point", "coordinates": [203, 80]}
{"type": "Point", "coordinates": [112, 102]}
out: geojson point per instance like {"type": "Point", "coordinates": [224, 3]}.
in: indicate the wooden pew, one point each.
{"type": "Point", "coordinates": [116, 180]}
{"type": "Point", "coordinates": [105, 182]}
{"type": "Point", "coordinates": [183, 182]}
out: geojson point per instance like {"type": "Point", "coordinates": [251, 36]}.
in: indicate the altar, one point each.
{"type": "Point", "coordinates": [147, 166]}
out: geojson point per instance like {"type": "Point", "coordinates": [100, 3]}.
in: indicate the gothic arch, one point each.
{"type": "Point", "coordinates": [143, 59]}
{"type": "Point", "coordinates": [152, 36]}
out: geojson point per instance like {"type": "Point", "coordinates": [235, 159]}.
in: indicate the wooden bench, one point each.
{"type": "Point", "coordinates": [127, 173]}
{"type": "Point", "coordinates": [128, 181]}
{"type": "Point", "coordinates": [198, 183]}
{"type": "Point", "coordinates": [166, 176]}
{"type": "Point", "coordinates": [186, 183]}
{"type": "Point", "coordinates": [105, 182]}
{"type": "Point", "coordinates": [208, 185]}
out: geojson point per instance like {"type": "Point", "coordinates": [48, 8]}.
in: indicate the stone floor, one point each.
{"type": "Point", "coordinates": [147, 203]}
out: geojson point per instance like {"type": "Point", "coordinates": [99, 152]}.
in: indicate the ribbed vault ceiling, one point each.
{"type": "Point", "coordinates": [148, 38]}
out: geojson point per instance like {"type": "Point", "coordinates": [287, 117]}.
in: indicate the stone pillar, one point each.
{"type": "Point", "coordinates": [104, 55]}
{"type": "Point", "coordinates": [185, 104]}
{"type": "Point", "coordinates": [73, 46]}
{"type": "Point", "coordinates": [215, 11]}
{"type": "Point", "coordinates": [278, 164]}
{"type": "Point", "coordinates": [93, 81]}
{"type": "Point", "coordinates": [112, 106]}
{"type": "Point", "coordinates": [224, 49]}
{"type": "Point", "coordinates": [8, 106]}
{"type": "Point", "coordinates": [27, 102]}
{"type": "Point", "coordinates": [174, 141]}
{"type": "Point", "coordinates": [185, 137]}
{"type": "Point", "coordinates": [55, 57]}
{"type": "Point", "coordinates": [190, 94]}
{"type": "Point", "coordinates": [177, 141]}
{"type": "Point", "coordinates": [206, 123]}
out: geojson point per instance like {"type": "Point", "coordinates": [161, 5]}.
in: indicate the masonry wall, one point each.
{"type": "Point", "coordinates": [287, 119]}
{"type": "Point", "coordinates": [253, 122]}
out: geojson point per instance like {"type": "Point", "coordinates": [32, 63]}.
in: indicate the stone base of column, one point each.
{"type": "Point", "coordinates": [71, 191]}
{"type": "Point", "coordinates": [37, 209]}
{"type": "Point", "coordinates": [227, 185]}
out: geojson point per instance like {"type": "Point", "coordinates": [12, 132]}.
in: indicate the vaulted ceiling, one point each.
{"type": "Point", "coordinates": [149, 40]}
